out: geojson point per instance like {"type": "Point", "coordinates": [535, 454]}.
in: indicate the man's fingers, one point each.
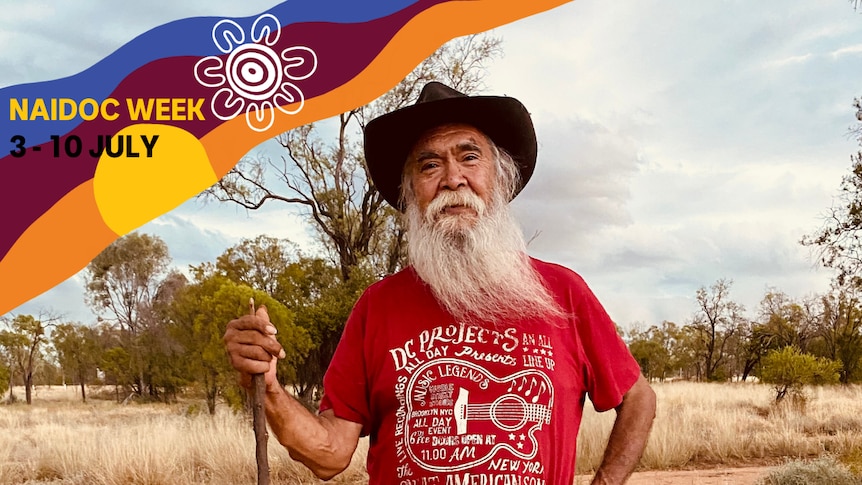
{"type": "Point", "coordinates": [245, 378]}
{"type": "Point", "coordinates": [254, 352]}
{"type": "Point", "coordinates": [238, 338]}
{"type": "Point", "coordinates": [250, 359]}
{"type": "Point", "coordinates": [262, 313]}
{"type": "Point", "coordinates": [259, 322]}
{"type": "Point", "coordinates": [251, 344]}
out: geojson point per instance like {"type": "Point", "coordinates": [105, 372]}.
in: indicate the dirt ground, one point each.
{"type": "Point", "coordinates": [717, 476]}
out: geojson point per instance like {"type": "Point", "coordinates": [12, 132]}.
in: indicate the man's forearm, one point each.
{"type": "Point", "coordinates": [323, 443]}
{"type": "Point", "coordinates": [629, 435]}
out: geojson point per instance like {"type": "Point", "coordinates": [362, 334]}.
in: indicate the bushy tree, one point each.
{"type": "Point", "coordinates": [78, 352]}
{"type": "Point", "coordinates": [123, 279]}
{"type": "Point", "coordinates": [781, 321]}
{"type": "Point", "coordinates": [311, 288]}
{"type": "Point", "coordinates": [839, 332]}
{"type": "Point", "coordinates": [656, 350]}
{"type": "Point", "coordinates": [123, 282]}
{"type": "Point", "coordinates": [788, 321]}
{"type": "Point", "coordinates": [789, 370]}
{"type": "Point", "coordinates": [322, 303]}
{"type": "Point", "coordinates": [5, 377]}
{"type": "Point", "coordinates": [22, 343]}
{"type": "Point", "coordinates": [261, 263]}
{"type": "Point", "coordinates": [197, 318]}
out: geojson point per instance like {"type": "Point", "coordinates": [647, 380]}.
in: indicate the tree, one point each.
{"type": "Point", "coordinates": [781, 321]}
{"type": "Point", "coordinates": [117, 365]}
{"type": "Point", "coordinates": [322, 303]}
{"type": "Point", "coordinates": [78, 352]}
{"type": "Point", "coordinates": [787, 321]}
{"type": "Point", "coordinates": [756, 342]}
{"type": "Point", "coordinates": [687, 353]}
{"type": "Point", "coordinates": [5, 377]}
{"type": "Point", "coordinates": [840, 332]}
{"type": "Point", "coordinates": [656, 350]}
{"type": "Point", "coordinates": [197, 319]}
{"type": "Point", "coordinates": [189, 324]}
{"type": "Point", "coordinates": [261, 263]}
{"type": "Point", "coordinates": [838, 243]}
{"type": "Point", "coordinates": [122, 283]}
{"type": "Point", "coordinates": [789, 370]}
{"type": "Point", "coordinates": [714, 323]}
{"type": "Point", "coordinates": [311, 288]}
{"type": "Point", "coordinates": [22, 344]}
{"type": "Point", "coordinates": [122, 280]}
{"type": "Point", "coordinates": [13, 346]}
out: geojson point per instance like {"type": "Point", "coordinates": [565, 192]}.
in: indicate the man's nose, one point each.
{"type": "Point", "coordinates": [453, 178]}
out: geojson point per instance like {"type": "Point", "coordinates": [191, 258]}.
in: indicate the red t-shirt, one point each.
{"type": "Point", "coordinates": [451, 404]}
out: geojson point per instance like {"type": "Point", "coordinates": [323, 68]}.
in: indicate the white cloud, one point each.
{"type": "Point", "coordinates": [787, 61]}
{"type": "Point", "coordinates": [851, 50]}
{"type": "Point", "coordinates": [581, 183]}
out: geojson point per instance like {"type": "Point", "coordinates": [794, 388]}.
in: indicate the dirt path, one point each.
{"type": "Point", "coordinates": [717, 476]}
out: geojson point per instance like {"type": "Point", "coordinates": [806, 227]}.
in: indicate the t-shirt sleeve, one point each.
{"type": "Point", "coordinates": [611, 369]}
{"type": "Point", "coordinates": [345, 386]}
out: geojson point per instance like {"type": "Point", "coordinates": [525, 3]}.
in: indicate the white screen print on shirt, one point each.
{"type": "Point", "coordinates": [455, 414]}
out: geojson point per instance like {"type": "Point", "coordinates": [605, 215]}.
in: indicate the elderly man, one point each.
{"type": "Point", "coordinates": [472, 365]}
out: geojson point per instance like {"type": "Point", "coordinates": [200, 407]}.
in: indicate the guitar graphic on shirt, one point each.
{"type": "Point", "coordinates": [509, 412]}
{"type": "Point", "coordinates": [486, 414]}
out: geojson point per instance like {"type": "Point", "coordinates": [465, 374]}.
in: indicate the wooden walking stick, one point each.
{"type": "Point", "coordinates": [259, 417]}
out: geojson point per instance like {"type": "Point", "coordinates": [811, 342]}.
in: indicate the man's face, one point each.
{"type": "Point", "coordinates": [451, 158]}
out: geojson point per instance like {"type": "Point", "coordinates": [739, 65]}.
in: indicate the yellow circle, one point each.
{"type": "Point", "coordinates": [158, 168]}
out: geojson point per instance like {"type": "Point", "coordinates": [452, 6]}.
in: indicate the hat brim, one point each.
{"type": "Point", "coordinates": [390, 138]}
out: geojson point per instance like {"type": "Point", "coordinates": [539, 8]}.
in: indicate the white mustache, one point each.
{"type": "Point", "coordinates": [465, 197]}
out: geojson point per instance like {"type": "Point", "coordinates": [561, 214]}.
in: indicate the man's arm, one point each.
{"type": "Point", "coordinates": [628, 436]}
{"type": "Point", "coordinates": [324, 443]}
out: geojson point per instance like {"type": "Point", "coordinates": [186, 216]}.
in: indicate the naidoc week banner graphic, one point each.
{"type": "Point", "coordinates": [91, 157]}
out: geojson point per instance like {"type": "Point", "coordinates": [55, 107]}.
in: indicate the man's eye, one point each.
{"type": "Point", "coordinates": [428, 166]}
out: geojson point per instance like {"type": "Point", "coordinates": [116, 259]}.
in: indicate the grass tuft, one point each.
{"type": "Point", "coordinates": [821, 471]}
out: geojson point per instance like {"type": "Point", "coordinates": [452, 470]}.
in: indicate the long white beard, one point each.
{"type": "Point", "coordinates": [477, 267]}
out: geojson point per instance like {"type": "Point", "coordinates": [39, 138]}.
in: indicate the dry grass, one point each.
{"type": "Point", "coordinates": [699, 424]}
{"type": "Point", "coordinates": [58, 440]}
{"type": "Point", "coordinates": [62, 441]}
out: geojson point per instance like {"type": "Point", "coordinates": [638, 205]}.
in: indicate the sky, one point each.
{"type": "Point", "coordinates": [679, 142]}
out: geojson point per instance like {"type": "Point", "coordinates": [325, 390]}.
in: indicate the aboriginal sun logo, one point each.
{"type": "Point", "coordinates": [256, 77]}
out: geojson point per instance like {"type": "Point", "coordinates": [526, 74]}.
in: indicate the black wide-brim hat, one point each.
{"type": "Point", "coordinates": [389, 139]}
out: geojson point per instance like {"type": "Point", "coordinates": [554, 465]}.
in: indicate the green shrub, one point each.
{"type": "Point", "coordinates": [789, 370]}
{"type": "Point", "coordinates": [822, 471]}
